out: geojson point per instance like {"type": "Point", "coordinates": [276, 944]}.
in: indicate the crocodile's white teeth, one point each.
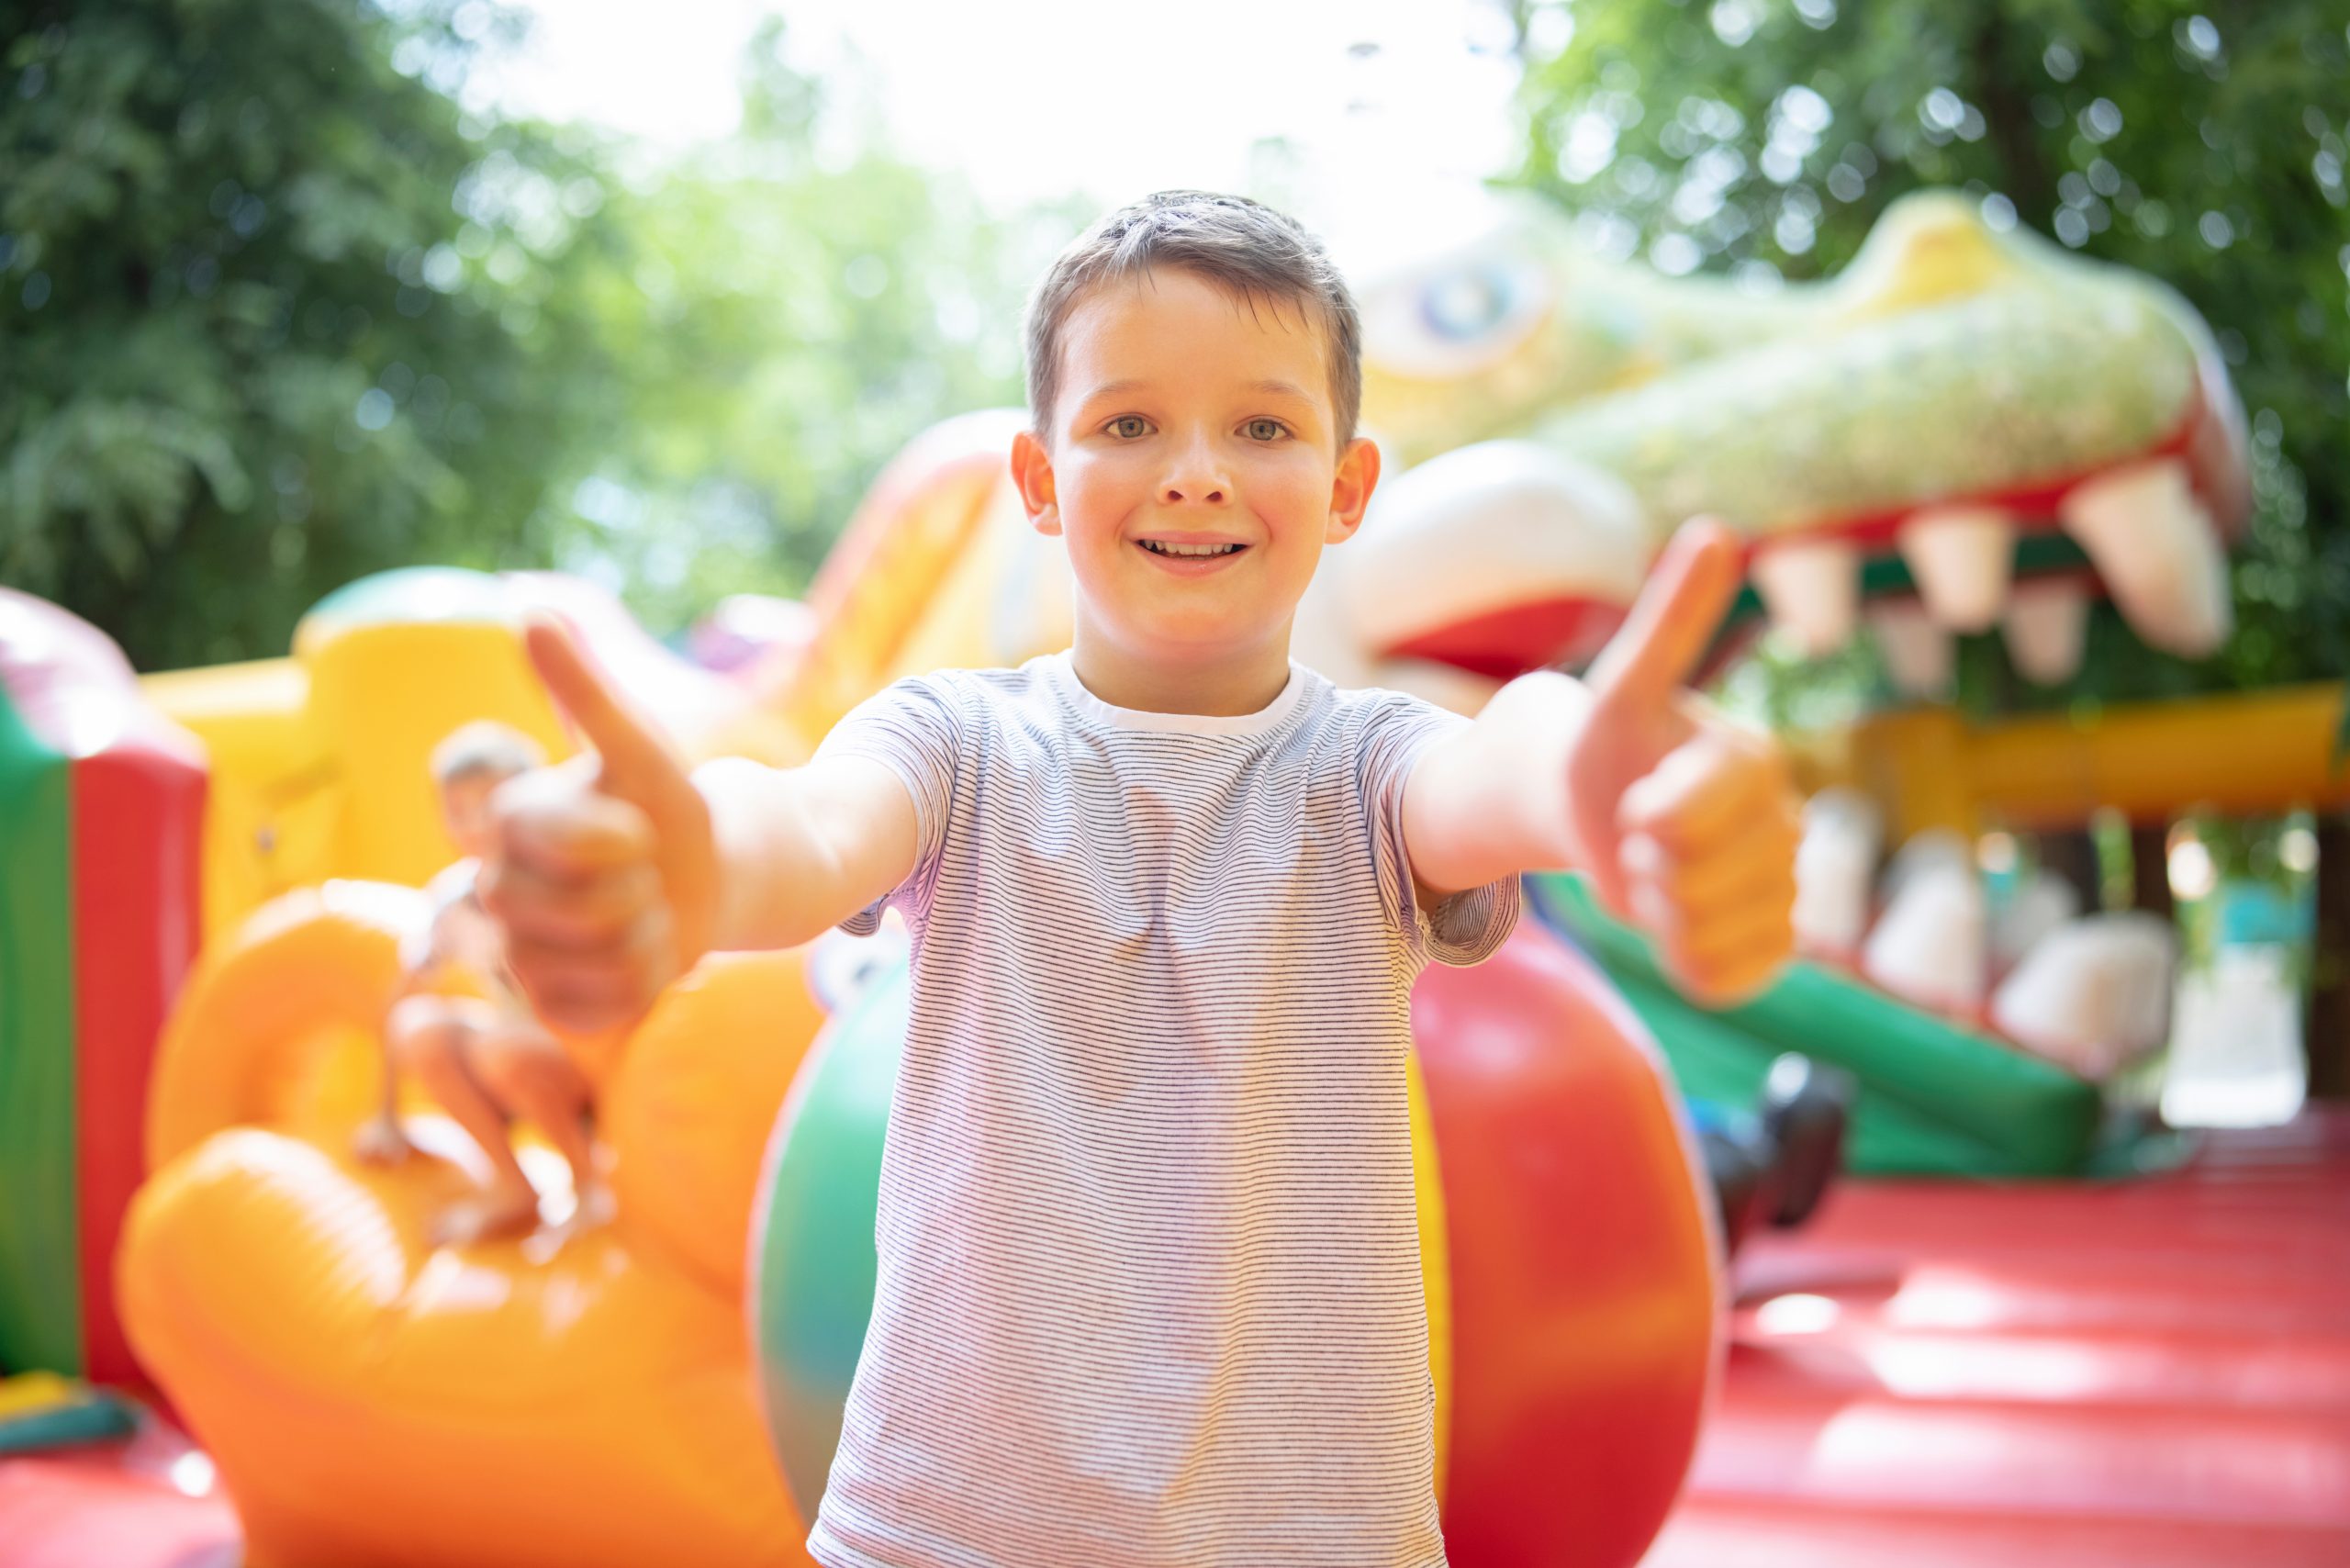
{"type": "Point", "coordinates": [1928, 948]}
{"type": "Point", "coordinates": [2152, 541]}
{"type": "Point", "coordinates": [2046, 627]}
{"type": "Point", "coordinates": [2095, 993]}
{"type": "Point", "coordinates": [2039, 903]}
{"type": "Point", "coordinates": [1917, 651]}
{"type": "Point", "coordinates": [1812, 588]}
{"type": "Point", "coordinates": [1835, 868]}
{"type": "Point", "coordinates": [1961, 558]}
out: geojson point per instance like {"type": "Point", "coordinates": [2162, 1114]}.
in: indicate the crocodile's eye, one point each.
{"type": "Point", "coordinates": [1460, 307]}
{"type": "Point", "coordinates": [1457, 317]}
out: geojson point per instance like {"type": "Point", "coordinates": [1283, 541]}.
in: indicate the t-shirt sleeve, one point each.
{"type": "Point", "coordinates": [1466, 927]}
{"type": "Point", "coordinates": [913, 728]}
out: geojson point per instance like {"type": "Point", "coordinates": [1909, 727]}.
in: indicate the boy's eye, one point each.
{"type": "Point", "coordinates": [1129, 427]}
{"type": "Point", "coordinates": [1265, 429]}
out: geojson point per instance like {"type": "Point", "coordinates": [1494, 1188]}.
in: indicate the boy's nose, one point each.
{"type": "Point", "coordinates": [1196, 475]}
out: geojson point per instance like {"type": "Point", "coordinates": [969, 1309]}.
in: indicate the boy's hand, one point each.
{"type": "Point", "coordinates": [602, 869]}
{"type": "Point", "coordinates": [1687, 823]}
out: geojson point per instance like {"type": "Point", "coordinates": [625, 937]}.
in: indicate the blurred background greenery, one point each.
{"type": "Point", "coordinates": [282, 300]}
{"type": "Point", "coordinates": [278, 312]}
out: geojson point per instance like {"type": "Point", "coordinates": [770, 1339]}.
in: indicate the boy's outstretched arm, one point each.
{"type": "Point", "coordinates": [801, 849]}
{"type": "Point", "coordinates": [613, 873]}
{"type": "Point", "coordinates": [1685, 822]}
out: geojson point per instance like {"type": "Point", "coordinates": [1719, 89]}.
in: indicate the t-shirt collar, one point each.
{"type": "Point", "coordinates": [1061, 669]}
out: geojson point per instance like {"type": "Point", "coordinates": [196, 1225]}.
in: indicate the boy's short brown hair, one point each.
{"type": "Point", "coordinates": [1248, 248]}
{"type": "Point", "coordinates": [484, 749]}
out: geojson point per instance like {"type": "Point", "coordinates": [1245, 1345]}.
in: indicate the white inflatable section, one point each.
{"type": "Point", "coordinates": [2094, 994]}
{"type": "Point", "coordinates": [2046, 629]}
{"type": "Point", "coordinates": [1481, 529]}
{"type": "Point", "coordinates": [1463, 692]}
{"type": "Point", "coordinates": [1836, 870]}
{"type": "Point", "coordinates": [1936, 848]}
{"type": "Point", "coordinates": [1918, 651]}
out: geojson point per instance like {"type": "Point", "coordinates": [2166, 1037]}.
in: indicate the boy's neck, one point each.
{"type": "Point", "coordinates": [1226, 685]}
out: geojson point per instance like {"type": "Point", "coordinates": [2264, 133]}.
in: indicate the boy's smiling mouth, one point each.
{"type": "Point", "coordinates": [1164, 547]}
{"type": "Point", "coordinates": [1190, 555]}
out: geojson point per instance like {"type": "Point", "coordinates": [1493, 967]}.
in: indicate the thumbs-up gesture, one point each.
{"type": "Point", "coordinates": [602, 871]}
{"type": "Point", "coordinates": [1687, 823]}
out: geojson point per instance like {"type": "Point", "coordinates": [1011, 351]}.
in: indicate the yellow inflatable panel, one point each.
{"type": "Point", "coordinates": [272, 809]}
{"type": "Point", "coordinates": [2249, 753]}
{"type": "Point", "coordinates": [883, 576]}
{"type": "Point", "coordinates": [382, 697]}
{"type": "Point", "coordinates": [1436, 1268]}
{"type": "Point", "coordinates": [320, 761]}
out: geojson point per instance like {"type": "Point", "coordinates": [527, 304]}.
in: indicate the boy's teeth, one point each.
{"type": "Point", "coordinates": [1162, 549]}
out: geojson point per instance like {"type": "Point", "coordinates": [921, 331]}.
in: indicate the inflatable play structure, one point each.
{"type": "Point", "coordinates": [102, 811]}
{"type": "Point", "coordinates": [1967, 431]}
{"type": "Point", "coordinates": [668, 1387]}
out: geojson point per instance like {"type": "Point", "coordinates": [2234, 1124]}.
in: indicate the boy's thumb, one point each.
{"type": "Point", "coordinates": [624, 742]}
{"type": "Point", "coordinates": [1674, 621]}
{"type": "Point", "coordinates": [636, 764]}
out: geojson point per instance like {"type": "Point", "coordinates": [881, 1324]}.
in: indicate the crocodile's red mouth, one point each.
{"type": "Point", "coordinates": [1505, 642]}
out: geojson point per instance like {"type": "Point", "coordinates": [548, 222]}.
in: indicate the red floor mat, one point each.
{"type": "Point", "coordinates": [2153, 1375]}
{"type": "Point", "coordinates": [151, 1502]}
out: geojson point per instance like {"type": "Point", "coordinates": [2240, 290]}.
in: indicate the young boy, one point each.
{"type": "Point", "coordinates": [1149, 1285]}
{"type": "Point", "coordinates": [485, 1058]}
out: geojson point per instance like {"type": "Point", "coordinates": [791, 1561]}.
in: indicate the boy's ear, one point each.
{"type": "Point", "coordinates": [1032, 470]}
{"type": "Point", "coordinates": [1350, 490]}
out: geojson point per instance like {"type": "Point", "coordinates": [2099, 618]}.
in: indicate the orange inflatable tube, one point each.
{"type": "Point", "coordinates": [372, 1400]}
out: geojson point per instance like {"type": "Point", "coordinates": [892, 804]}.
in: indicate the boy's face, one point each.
{"type": "Point", "coordinates": [465, 806]}
{"type": "Point", "coordinates": [1189, 418]}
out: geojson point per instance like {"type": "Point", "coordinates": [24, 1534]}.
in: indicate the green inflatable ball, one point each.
{"type": "Point", "coordinates": [813, 1257]}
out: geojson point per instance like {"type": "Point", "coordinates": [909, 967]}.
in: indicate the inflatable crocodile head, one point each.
{"type": "Point", "coordinates": [1968, 428]}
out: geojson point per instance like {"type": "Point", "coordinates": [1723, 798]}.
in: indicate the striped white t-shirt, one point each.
{"type": "Point", "coordinates": [1149, 1288]}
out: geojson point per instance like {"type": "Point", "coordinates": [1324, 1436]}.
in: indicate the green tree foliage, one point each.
{"type": "Point", "coordinates": [251, 344]}
{"type": "Point", "coordinates": [2199, 141]}
{"type": "Point", "coordinates": [796, 303]}
{"type": "Point", "coordinates": [277, 310]}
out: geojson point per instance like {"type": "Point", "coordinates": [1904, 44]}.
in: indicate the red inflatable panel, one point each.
{"type": "Point", "coordinates": [138, 846]}
{"type": "Point", "coordinates": [138, 793]}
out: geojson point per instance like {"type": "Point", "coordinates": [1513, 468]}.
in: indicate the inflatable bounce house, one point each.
{"type": "Point", "coordinates": [211, 875]}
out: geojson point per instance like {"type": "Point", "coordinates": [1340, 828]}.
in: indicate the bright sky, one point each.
{"type": "Point", "coordinates": [1394, 109]}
